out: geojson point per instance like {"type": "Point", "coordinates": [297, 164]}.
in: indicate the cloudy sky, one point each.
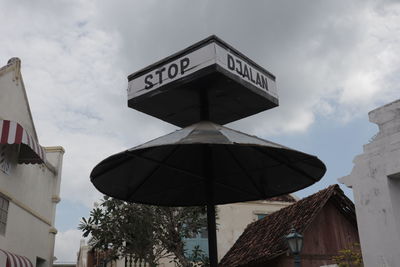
{"type": "Point", "coordinates": [334, 61]}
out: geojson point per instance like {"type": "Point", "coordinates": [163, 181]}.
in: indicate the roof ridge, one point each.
{"type": "Point", "coordinates": [14, 64]}
{"type": "Point", "coordinates": [330, 191]}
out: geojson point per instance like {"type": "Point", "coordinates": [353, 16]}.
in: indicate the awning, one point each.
{"type": "Point", "coordinates": [9, 259]}
{"type": "Point", "coordinates": [13, 133]}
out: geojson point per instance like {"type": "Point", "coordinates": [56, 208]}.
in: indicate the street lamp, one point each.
{"type": "Point", "coordinates": [295, 243]}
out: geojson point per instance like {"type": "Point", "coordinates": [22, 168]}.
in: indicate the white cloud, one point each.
{"type": "Point", "coordinates": [373, 64]}
{"type": "Point", "coordinates": [337, 60]}
{"type": "Point", "coordinates": [67, 245]}
{"type": "Point", "coordinates": [76, 88]}
{"type": "Point", "coordinates": [359, 88]}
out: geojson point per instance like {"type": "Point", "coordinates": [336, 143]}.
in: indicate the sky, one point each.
{"type": "Point", "coordinates": [334, 61]}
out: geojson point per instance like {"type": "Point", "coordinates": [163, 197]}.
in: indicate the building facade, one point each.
{"type": "Point", "coordinates": [30, 177]}
{"type": "Point", "coordinates": [375, 180]}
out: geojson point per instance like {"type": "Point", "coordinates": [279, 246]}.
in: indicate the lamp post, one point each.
{"type": "Point", "coordinates": [295, 243]}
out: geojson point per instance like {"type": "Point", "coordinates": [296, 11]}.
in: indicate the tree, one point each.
{"type": "Point", "coordinates": [145, 232]}
{"type": "Point", "coordinates": [349, 257]}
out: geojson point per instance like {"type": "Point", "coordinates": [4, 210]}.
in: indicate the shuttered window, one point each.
{"type": "Point", "coordinates": [3, 214]}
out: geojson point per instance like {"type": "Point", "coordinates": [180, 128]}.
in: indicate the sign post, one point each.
{"type": "Point", "coordinates": [198, 88]}
{"type": "Point", "coordinates": [208, 81]}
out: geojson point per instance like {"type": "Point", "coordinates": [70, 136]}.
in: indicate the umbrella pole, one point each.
{"type": "Point", "coordinates": [211, 220]}
{"type": "Point", "coordinates": [212, 236]}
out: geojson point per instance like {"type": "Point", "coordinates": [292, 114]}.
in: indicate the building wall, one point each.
{"type": "Point", "coordinates": [329, 232]}
{"type": "Point", "coordinates": [83, 255]}
{"type": "Point", "coordinates": [32, 189]}
{"type": "Point", "coordinates": [33, 192]}
{"type": "Point", "coordinates": [234, 218]}
{"type": "Point", "coordinates": [375, 180]}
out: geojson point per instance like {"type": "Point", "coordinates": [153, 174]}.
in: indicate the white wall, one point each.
{"type": "Point", "coordinates": [234, 218]}
{"type": "Point", "coordinates": [375, 180]}
{"type": "Point", "coordinates": [82, 254]}
{"type": "Point", "coordinates": [31, 190]}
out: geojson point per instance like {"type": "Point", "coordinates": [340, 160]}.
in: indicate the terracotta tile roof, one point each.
{"type": "Point", "coordinates": [283, 198]}
{"type": "Point", "coordinates": [263, 239]}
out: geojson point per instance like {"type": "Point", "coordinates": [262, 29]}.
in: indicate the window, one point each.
{"type": "Point", "coordinates": [5, 164]}
{"type": "Point", "coordinates": [204, 233]}
{"type": "Point", "coordinates": [261, 216]}
{"type": "Point", "coordinates": [40, 262]}
{"type": "Point", "coordinates": [3, 214]}
{"type": "Point", "coordinates": [199, 240]}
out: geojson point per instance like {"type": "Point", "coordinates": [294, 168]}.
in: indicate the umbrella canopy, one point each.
{"type": "Point", "coordinates": [170, 170]}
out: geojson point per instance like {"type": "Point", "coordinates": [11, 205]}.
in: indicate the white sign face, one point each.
{"type": "Point", "coordinates": [245, 70]}
{"type": "Point", "coordinates": [194, 61]}
{"type": "Point", "coordinates": [181, 67]}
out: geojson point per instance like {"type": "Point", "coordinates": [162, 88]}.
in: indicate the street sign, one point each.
{"type": "Point", "coordinates": [174, 88]}
{"type": "Point", "coordinates": [206, 84]}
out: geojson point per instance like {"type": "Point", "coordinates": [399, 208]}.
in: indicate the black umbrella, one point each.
{"type": "Point", "coordinates": [205, 164]}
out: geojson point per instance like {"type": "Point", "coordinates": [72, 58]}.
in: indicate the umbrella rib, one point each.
{"type": "Point", "coordinates": [151, 173]}
{"type": "Point", "coordinates": [234, 188]}
{"type": "Point", "coordinates": [303, 160]}
{"type": "Point", "coordinates": [286, 164]}
{"type": "Point", "coordinates": [245, 171]}
{"type": "Point", "coordinates": [109, 168]}
{"type": "Point", "coordinates": [172, 188]}
{"type": "Point", "coordinates": [163, 164]}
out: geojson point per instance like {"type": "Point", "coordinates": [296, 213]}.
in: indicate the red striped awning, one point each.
{"type": "Point", "coordinates": [30, 151]}
{"type": "Point", "coordinates": [13, 260]}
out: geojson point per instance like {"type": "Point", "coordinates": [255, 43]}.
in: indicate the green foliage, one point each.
{"type": "Point", "coordinates": [144, 231]}
{"type": "Point", "coordinates": [198, 257]}
{"type": "Point", "coordinates": [350, 257]}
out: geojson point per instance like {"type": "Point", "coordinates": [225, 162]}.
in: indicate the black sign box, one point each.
{"type": "Point", "coordinates": [209, 80]}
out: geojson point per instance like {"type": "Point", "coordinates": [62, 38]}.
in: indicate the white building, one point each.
{"type": "Point", "coordinates": [375, 180]}
{"type": "Point", "coordinates": [234, 218]}
{"type": "Point", "coordinates": [29, 179]}
{"type": "Point", "coordinates": [82, 256]}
